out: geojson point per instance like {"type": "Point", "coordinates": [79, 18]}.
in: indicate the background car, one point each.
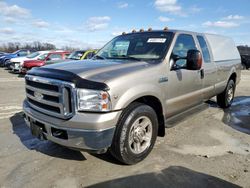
{"type": "Point", "coordinates": [75, 56]}
{"type": "Point", "coordinates": [245, 56]}
{"type": "Point", "coordinates": [19, 53]}
{"type": "Point", "coordinates": [3, 53]}
{"type": "Point", "coordinates": [16, 63]}
{"type": "Point", "coordinates": [44, 59]}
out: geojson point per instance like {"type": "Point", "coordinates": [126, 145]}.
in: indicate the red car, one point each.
{"type": "Point", "coordinates": [44, 59]}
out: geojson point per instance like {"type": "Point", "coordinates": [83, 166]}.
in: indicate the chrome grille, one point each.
{"type": "Point", "coordinates": [50, 96]}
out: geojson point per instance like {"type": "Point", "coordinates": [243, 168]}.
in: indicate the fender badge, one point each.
{"type": "Point", "coordinates": [163, 79]}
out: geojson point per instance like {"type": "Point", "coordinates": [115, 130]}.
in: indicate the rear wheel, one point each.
{"type": "Point", "coordinates": [225, 99]}
{"type": "Point", "coordinates": [135, 134]}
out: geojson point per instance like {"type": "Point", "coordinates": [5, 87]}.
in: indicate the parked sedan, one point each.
{"type": "Point", "coordinates": [43, 60]}
{"type": "Point", "coordinates": [245, 61]}
{"type": "Point", "coordinates": [15, 64]}
{"type": "Point", "coordinates": [19, 53]}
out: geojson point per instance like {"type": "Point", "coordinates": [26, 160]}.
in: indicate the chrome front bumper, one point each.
{"type": "Point", "coordinates": [92, 140]}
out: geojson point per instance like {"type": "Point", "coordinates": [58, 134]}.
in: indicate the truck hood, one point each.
{"type": "Point", "coordinates": [58, 61]}
{"type": "Point", "coordinates": [100, 70]}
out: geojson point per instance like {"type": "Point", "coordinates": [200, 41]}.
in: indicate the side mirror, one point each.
{"type": "Point", "coordinates": [18, 55]}
{"type": "Point", "coordinates": [194, 60]}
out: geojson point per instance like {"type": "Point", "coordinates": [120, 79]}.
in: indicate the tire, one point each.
{"type": "Point", "coordinates": [6, 64]}
{"type": "Point", "coordinates": [132, 143]}
{"type": "Point", "coordinates": [225, 99]}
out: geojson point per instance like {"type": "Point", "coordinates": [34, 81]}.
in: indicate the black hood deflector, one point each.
{"type": "Point", "coordinates": [67, 76]}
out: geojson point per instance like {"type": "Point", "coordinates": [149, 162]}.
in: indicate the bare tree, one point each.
{"type": "Point", "coordinates": [36, 45]}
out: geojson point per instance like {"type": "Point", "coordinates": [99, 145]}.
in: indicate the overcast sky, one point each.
{"type": "Point", "coordinates": [91, 23]}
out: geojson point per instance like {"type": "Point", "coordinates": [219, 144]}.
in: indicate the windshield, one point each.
{"type": "Point", "coordinates": [137, 46]}
{"type": "Point", "coordinates": [76, 55]}
{"type": "Point", "coordinates": [42, 56]}
{"type": "Point", "coordinates": [33, 55]}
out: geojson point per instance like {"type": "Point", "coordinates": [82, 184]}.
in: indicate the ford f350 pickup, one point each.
{"type": "Point", "coordinates": [120, 100]}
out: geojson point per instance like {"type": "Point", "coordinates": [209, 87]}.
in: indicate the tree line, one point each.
{"type": "Point", "coordinates": [36, 46]}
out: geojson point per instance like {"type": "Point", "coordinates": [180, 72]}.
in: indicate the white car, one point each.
{"type": "Point", "coordinates": [17, 63]}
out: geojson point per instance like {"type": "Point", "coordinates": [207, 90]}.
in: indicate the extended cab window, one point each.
{"type": "Point", "coordinates": [183, 43]}
{"type": "Point", "coordinates": [204, 49]}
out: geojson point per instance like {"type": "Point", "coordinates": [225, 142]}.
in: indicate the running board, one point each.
{"type": "Point", "coordinates": [174, 120]}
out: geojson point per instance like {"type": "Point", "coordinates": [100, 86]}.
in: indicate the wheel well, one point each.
{"type": "Point", "coordinates": [155, 103]}
{"type": "Point", "coordinates": [233, 77]}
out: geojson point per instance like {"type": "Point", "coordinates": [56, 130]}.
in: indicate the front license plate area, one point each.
{"type": "Point", "coordinates": [36, 131]}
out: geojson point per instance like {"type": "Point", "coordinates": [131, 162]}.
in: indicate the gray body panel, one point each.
{"type": "Point", "coordinates": [177, 90]}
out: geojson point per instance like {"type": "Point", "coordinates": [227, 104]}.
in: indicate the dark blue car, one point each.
{"type": "Point", "coordinates": [2, 54]}
{"type": "Point", "coordinates": [6, 57]}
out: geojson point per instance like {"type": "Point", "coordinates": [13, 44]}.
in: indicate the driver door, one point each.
{"type": "Point", "coordinates": [185, 86]}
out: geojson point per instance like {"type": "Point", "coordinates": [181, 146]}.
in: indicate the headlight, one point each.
{"type": "Point", "coordinates": [17, 65]}
{"type": "Point", "coordinates": [93, 100]}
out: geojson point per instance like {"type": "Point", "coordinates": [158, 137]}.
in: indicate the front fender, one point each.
{"type": "Point", "coordinates": [137, 92]}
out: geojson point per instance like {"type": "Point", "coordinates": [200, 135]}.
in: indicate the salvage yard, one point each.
{"type": "Point", "coordinates": [208, 149]}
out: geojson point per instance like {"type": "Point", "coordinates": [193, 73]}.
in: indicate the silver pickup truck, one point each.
{"type": "Point", "coordinates": [120, 100]}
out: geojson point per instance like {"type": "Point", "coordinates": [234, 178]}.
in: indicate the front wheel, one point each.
{"type": "Point", "coordinates": [135, 134]}
{"type": "Point", "coordinates": [225, 99]}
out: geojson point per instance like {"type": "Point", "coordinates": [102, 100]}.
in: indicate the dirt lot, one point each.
{"type": "Point", "coordinates": [208, 149]}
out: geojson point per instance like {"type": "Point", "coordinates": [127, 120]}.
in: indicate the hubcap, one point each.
{"type": "Point", "coordinates": [140, 135]}
{"type": "Point", "coordinates": [230, 94]}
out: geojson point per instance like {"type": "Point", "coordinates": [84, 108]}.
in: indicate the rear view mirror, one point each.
{"type": "Point", "coordinates": [194, 60]}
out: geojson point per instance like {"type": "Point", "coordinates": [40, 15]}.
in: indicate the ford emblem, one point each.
{"type": "Point", "coordinates": [38, 96]}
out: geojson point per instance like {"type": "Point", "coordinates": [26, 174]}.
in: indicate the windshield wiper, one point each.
{"type": "Point", "coordinates": [130, 57]}
{"type": "Point", "coordinates": [99, 57]}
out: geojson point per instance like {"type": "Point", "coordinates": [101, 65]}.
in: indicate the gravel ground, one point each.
{"type": "Point", "coordinates": [210, 148]}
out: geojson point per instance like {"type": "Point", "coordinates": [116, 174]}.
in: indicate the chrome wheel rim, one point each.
{"type": "Point", "coordinates": [230, 94]}
{"type": "Point", "coordinates": [140, 135]}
